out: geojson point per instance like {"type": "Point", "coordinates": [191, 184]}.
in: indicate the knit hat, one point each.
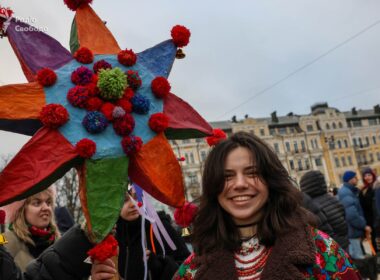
{"type": "Point", "coordinates": [348, 175]}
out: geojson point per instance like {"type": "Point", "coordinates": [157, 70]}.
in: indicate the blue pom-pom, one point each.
{"type": "Point", "coordinates": [94, 122]}
{"type": "Point", "coordinates": [140, 104]}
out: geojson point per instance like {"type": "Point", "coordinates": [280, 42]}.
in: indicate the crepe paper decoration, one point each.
{"type": "Point", "coordinates": [181, 158]}
{"type": "Point", "coordinates": [54, 115]}
{"type": "Point", "coordinates": [158, 122]}
{"type": "Point", "coordinates": [160, 87]}
{"type": "Point", "coordinates": [75, 4]}
{"type": "Point", "coordinates": [105, 249]}
{"type": "Point", "coordinates": [127, 57]}
{"type": "Point", "coordinates": [46, 77]}
{"type": "Point", "coordinates": [84, 55]}
{"type": "Point", "coordinates": [180, 35]}
{"type": "Point", "coordinates": [112, 83]}
{"type": "Point", "coordinates": [86, 148]}
{"type": "Point", "coordinates": [134, 80]}
{"type": "Point", "coordinates": [5, 17]}
{"type": "Point", "coordinates": [124, 126]}
{"type": "Point", "coordinates": [2, 227]}
{"type": "Point", "coordinates": [217, 136]}
{"type": "Point", "coordinates": [184, 216]}
{"type": "Point", "coordinates": [144, 156]}
{"type": "Point", "coordinates": [101, 64]}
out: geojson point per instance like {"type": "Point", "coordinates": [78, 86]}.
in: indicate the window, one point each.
{"type": "Point", "coordinates": [357, 123]}
{"type": "Point", "coordinates": [312, 143]}
{"type": "Point", "coordinates": [271, 131]}
{"type": "Point", "coordinates": [295, 146]}
{"type": "Point", "coordinates": [276, 148]}
{"type": "Point", "coordinates": [374, 139]}
{"type": "Point", "coordinates": [187, 158]}
{"type": "Point", "coordinates": [327, 126]}
{"type": "Point", "coordinates": [367, 141]}
{"type": "Point", "coordinates": [337, 163]}
{"type": "Point", "coordinates": [300, 165]}
{"type": "Point", "coordinates": [291, 163]}
{"type": "Point", "coordinates": [191, 158]}
{"type": "Point", "coordinates": [186, 141]}
{"type": "Point", "coordinates": [340, 125]}
{"type": "Point", "coordinates": [339, 144]}
{"type": "Point", "coordinates": [309, 127]}
{"type": "Point", "coordinates": [349, 160]}
{"type": "Point", "coordinates": [343, 159]}
{"type": "Point", "coordinates": [282, 130]}
{"type": "Point", "coordinates": [203, 155]}
{"type": "Point", "coordinates": [287, 144]}
{"type": "Point", "coordinates": [372, 121]}
{"type": "Point", "coordinates": [303, 146]}
{"type": "Point", "coordinates": [307, 164]}
{"type": "Point", "coordinates": [199, 140]}
{"type": "Point", "coordinates": [371, 159]}
{"type": "Point", "coordinates": [334, 125]}
{"type": "Point", "coordinates": [193, 178]}
{"type": "Point", "coordinates": [345, 143]}
{"type": "Point", "coordinates": [292, 130]}
{"type": "Point", "coordinates": [262, 131]}
{"type": "Point", "coordinates": [360, 143]}
{"type": "Point", "coordinates": [355, 142]}
{"type": "Point", "coordinates": [318, 162]}
{"type": "Point", "coordinates": [378, 156]}
{"type": "Point", "coordinates": [316, 143]}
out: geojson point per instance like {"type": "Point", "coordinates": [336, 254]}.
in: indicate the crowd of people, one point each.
{"type": "Point", "coordinates": [252, 223]}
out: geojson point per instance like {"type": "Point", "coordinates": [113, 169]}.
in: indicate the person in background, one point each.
{"type": "Point", "coordinates": [250, 223]}
{"type": "Point", "coordinates": [313, 183]}
{"type": "Point", "coordinates": [32, 227]}
{"type": "Point", "coordinates": [8, 269]}
{"type": "Point", "coordinates": [64, 219]}
{"type": "Point", "coordinates": [368, 202]}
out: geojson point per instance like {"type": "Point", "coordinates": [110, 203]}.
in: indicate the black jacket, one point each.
{"type": "Point", "coordinates": [8, 268]}
{"type": "Point", "coordinates": [313, 183]}
{"type": "Point", "coordinates": [64, 260]}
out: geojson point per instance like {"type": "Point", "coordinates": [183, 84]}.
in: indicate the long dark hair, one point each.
{"type": "Point", "coordinates": [214, 228]}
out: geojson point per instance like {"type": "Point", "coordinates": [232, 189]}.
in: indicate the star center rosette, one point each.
{"type": "Point", "coordinates": [108, 112]}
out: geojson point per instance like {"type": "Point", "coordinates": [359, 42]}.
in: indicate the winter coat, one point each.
{"type": "Point", "coordinates": [63, 218]}
{"type": "Point", "coordinates": [64, 260]}
{"type": "Point", "coordinates": [293, 257]}
{"type": "Point", "coordinates": [8, 268]}
{"type": "Point", "coordinates": [18, 250]}
{"type": "Point", "coordinates": [313, 184]}
{"type": "Point", "coordinates": [348, 196]}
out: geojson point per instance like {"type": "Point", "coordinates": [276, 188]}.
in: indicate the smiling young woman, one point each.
{"type": "Point", "coordinates": [251, 225]}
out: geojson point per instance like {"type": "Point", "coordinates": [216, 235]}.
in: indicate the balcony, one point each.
{"type": "Point", "coordinates": [361, 147]}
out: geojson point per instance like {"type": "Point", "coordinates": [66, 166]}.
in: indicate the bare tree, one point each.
{"type": "Point", "coordinates": [68, 194]}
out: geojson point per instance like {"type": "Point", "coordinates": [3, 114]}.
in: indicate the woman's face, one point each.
{"type": "Point", "coordinates": [39, 211]}
{"type": "Point", "coordinates": [129, 211]}
{"type": "Point", "coordinates": [244, 194]}
{"type": "Point", "coordinates": [368, 178]}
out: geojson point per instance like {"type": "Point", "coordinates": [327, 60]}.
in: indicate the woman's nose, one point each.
{"type": "Point", "coordinates": [241, 180]}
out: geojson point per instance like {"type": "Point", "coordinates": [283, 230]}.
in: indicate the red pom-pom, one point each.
{"type": "Point", "coordinates": [160, 87]}
{"type": "Point", "coordinates": [134, 80]}
{"type": "Point", "coordinates": [105, 249]}
{"type": "Point", "coordinates": [94, 103]}
{"type": "Point", "coordinates": [75, 4]}
{"type": "Point", "coordinates": [107, 110]}
{"type": "Point", "coordinates": [158, 122]}
{"type": "Point", "coordinates": [82, 76]}
{"type": "Point", "coordinates": [86, 148]}
{"type": "Point", "coordinates": [125, 104]}
{"type": "Point", "coordinates": [139, 204]}
{"type": "Point", "coordinates": [217, 136]}
{"type": "Point", "coordinates": [101, 64]}
{"type": "Point", "coordinates": [78, 96]}
{"type": "Point", "coordinates": [2, 217]}
{"type": "Point", "coordinates": [84, 55]}
{"type": "Point", "coordinates": [127, 57]}
{"type": "Point", "coordinates": [124, 125]}
{"type": "Point", "coordinates": [185, 215]}
{"type": "Point", "coordinates": [180, 35]}
{"type": "Point", "coordinates": [93, 89]}
{"type": "Point", "coordinates": [54, 115]}
{"type": "Point", "coordinates": [46, 77]}
{"type": "Point", "coordinates": [128, 93]}
{"type": "Point", "coordinates": [131, 144]}
{"type": "Point", "coordinates": [181, 159]}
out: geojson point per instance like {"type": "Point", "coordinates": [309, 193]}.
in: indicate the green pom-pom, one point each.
{"type": "Point", "coordinates": [112, 83]}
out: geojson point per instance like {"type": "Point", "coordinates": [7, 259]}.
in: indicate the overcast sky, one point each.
{"type": "Point", "coordinates": [266, 54]}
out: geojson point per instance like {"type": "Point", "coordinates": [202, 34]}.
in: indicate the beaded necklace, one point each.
{"type": "Point", "coordinates": [250, 259]}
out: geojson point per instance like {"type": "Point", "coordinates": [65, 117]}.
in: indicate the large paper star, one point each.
{"type": "Point", "coordinates": [50, 153]}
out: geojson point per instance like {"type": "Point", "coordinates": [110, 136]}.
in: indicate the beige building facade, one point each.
{"type": "Point", "coordinates": [326, 139]}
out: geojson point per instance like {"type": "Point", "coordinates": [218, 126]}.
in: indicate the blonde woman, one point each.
{"type": "Point", "coordinates": [32, 227]}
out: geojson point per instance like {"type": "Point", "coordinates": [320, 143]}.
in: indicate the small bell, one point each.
{"type": "Point", "coordinates": [180, 54]}
{"type": "Point", "coordinates": [185, 232]}
{"type": "Point", "coordinates": [2, 239]}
